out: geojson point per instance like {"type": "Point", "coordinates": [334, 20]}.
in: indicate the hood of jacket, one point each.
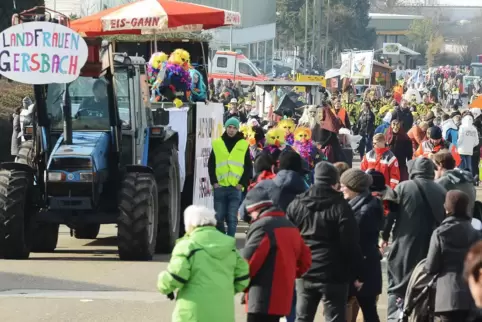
{"type": "Point", "coordinates": [360, 200]}
{"type": "Point", "coordinates": [421, 168]}
{"type": "Point", "coordinates": [210, 240]}
{"type": "Point", "coordinates": [447, 125]}
{"type": "Point", "coordinates": [320, 196]}
{"type": "Point", "coordinates": [459, 229]}
{"type": "Point", "coordinates": [457, 176]}
{"type": "Point", "coordinates": [467, 121]}
{"type": "Point", "coordinates": [290, 180]}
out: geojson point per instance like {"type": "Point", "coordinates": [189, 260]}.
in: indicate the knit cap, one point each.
{"type": "Point", "coordinates": [435, 133]}
{"type": "Point", "coordinates": [257, 199]}
{"type": "Point", "coordinates": [356, 180]}
{"type": "Point", "coordinates": [232, 121]}
{"type": "Point", "coordinates": [378, 180]}
{"type": "Point", "coordinates": [325, 172]}
{"type": "Point", "coordinates": [457, 203]}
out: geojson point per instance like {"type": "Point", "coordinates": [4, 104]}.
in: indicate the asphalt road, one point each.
{"type": "Point", "coordinates": [83, 280]}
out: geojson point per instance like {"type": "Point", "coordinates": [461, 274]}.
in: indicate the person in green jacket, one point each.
{"type": "Point", "coordinates": [206, 269]}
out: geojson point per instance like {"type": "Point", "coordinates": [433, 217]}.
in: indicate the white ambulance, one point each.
{"type": "Point", "coordinates": [234, 66]}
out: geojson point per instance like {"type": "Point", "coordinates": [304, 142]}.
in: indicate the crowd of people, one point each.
{"type": "Point", "coordinates": [319, 229]}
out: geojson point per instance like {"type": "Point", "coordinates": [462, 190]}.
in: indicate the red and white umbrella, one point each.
{"type": "Point", "coordinates": [154, 16]}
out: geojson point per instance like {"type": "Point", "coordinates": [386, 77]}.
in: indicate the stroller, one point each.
{"type": "Point", "coordinates": [420, 296]}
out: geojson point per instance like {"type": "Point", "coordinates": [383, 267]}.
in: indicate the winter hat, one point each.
{"type": "Point", "coordinates": [435, 133]}
{"type": "Point", "coordinates": [378, 180]}
{"type": "Point", "coordinates": [232, 121]}
{"type": "Point", "coordinates": [257, 199]}
{"type": "Point", "coordinates": [325, 172]}
{"type": "Point", "coordinates": [290, 160]}
{"type": "Point", "coordinates": [457, 203]}
{"type": "Point", "coordinates": [356, 180]}
{"type": "Point", "coordinates": [429, 117]}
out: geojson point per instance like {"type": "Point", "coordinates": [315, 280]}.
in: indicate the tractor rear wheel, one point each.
{"type": "Point", "coordinates": [89, 231]}
{"type": "Point", "coordinates": [16, 213]}
{"type": "Point", "coordinates": [164, 162]}
{"type": "Point", "coordinates": [26, 154]}
{"type": "Point", "coordinates": [138, 218]}
{"type": "Point", "coordinates": [45, 237]}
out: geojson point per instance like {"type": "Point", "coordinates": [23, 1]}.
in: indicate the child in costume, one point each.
{"type": "Point", "coordinates": [155, 65]}
{"type": "Point", "coordinates": [198, 87]}
{"type": "Point", "coordinates": [275, 142]}
{"type": "Point", "coordinates": [288, 125]}
{"type": "Point", "coordinates": [303, 144]}
{"type": "Point", "coordinates": [174, 82]}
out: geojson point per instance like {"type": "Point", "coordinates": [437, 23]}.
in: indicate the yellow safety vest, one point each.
{"type": "Point", "coordinates": [229, 166]}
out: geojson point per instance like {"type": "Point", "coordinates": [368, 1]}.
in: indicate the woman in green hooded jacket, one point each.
{"type": "Point", "coordinates": [206, 269]}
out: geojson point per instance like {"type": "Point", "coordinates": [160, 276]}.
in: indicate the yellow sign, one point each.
{"type": "Point", "coordinates": [309, 78]}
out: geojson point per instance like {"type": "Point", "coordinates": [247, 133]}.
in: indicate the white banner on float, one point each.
{"type": "Point", "coordinates": [209, 126]}
{"type": "Point", "coordinates": [361, 64]}
{"type": "Point", "coordinates": [178, 123]}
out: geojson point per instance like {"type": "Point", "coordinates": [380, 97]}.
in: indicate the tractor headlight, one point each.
{"type": "Point", "coordinates": [56, 176]}
{"type": "Point", "coordinates": [87, 176]}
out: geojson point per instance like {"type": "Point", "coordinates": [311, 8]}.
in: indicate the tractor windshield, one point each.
{"type": "Point", "coordinates": [90, 103]}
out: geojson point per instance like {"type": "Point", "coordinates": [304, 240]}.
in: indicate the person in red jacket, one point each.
{"type": "Point", "coordinates": [276, 254]}
{"type": "Point", "coordinates": [382, 160]}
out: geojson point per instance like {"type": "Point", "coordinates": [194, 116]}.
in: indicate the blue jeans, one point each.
{"type": "Point", "coordinates": [365, 145]}
{"type": "Point", "coordinates": [292, 316]}
{"type": "Point", "coordinates": [226, 204]}
{"type": "Point", "coordinates": [466, 163]}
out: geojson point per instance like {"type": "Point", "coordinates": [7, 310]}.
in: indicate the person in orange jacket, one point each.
{"type": "Point", "coordinates": [342, 114]}
{"type": "Point", "coordinates": [383, 160]}
{"type": "Point", "coordinates": [435, 143]}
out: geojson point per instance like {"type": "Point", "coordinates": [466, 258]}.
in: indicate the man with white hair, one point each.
{"type": "Point", "coordinates": [205, 269]}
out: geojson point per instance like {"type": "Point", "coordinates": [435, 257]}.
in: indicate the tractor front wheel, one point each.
{"type": "Point", "coordinates": [89, 231]}
{"type": "Point", "coordinates": [138, 220]}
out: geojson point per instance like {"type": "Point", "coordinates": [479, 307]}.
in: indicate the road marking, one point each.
{"type": "Point", "coordinates": [87, 296]}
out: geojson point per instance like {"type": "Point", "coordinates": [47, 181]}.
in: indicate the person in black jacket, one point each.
{"type": "Point", "coordinates": [403, 114]}
{"type": "Point", "coordinates": [227, 195]}
{"type": "Point", "coordinates": [365, 127]}
{"type": "Point", "coordinates": [448, 246]}
{"type": "Point", "coordinates": [355, 185]}
{"type": "Point", "coordinates": [329, 228]}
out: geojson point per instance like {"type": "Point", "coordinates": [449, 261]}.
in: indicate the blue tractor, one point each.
{"type": "Point", "coordinates": [93, 156]}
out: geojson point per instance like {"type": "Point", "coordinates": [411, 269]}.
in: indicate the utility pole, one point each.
{"type": "Point", "coordinates": [306, 31]}
{"type": "Point", "coordinates": [313, 35]}
{"type": "Point", "coordinates": [326, 35]}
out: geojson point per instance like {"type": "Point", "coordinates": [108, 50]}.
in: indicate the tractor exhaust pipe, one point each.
{"type": "Point", "coordinates": [67, 111]}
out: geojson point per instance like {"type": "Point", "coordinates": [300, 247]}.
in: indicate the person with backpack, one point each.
{"type": "Point", "coordinates": [448, 246]}
{"type": "Point", "coordinates": [420, 210]}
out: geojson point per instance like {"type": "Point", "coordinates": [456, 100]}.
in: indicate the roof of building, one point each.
{"type": "Point", "coordinates": [404, 50]}
{"type": "Point", "coordinates": [393, 16]}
